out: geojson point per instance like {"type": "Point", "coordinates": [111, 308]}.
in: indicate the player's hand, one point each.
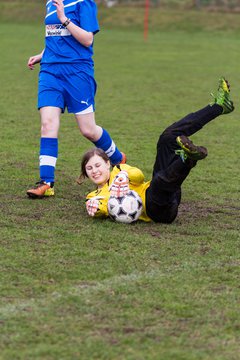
{"type": "Point", "coordinates": [60, 10]}
{"type": "Point", "coordinates": [120, 184]}
{"type": "Point", "coordinates": [34, 60]}
{"type": "Point", "coordinates": [92, 206]}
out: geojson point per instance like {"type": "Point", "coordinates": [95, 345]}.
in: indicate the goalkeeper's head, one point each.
{"type": "Point", "coordinates": [96, 166]}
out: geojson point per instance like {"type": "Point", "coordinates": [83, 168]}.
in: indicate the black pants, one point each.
{"type": "Point", "coordinates": [164, 193]}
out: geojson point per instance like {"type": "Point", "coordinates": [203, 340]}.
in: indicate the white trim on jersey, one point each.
{"type": "Point", "coordinates": [71, 4]}
{"type": "Point", "coordinates": [47, 160]}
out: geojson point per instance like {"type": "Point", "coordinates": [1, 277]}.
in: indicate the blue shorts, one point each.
{"type": "Point", "coordinates": [66, 86]}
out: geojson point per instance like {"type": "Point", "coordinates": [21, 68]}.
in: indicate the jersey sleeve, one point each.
{"type": "Point", "coordinates": [102, 211]}
{"type": "Point", "coordinates": [102, 196]}
{"type": "Point", "coordinates": [88, 16]}
{"type": "Point", "coordinates": [135, 175]}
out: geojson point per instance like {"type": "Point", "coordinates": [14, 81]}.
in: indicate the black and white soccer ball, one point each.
{"type": "Point", "coordinates": [125, 209]}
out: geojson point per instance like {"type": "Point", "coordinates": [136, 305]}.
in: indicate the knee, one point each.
{"type": "Point", "coordinates": [49, 127]}
{"type": "Point", "coordinates": [168, 220]}
{"type": "Point", "coordinates": [166, 136]}
{"type": "Point", "coordinates": [165, 213]}
{"type": "Point", "coordinates": [89, 134]}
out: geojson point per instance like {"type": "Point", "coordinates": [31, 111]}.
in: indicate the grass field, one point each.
{"type": "Point", "coordinates": [77, 288]}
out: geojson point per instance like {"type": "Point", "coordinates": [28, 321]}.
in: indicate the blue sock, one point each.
{"type": "Point", "coordinates": [107, 144]}
{"type": "Point", "coordinates": [48, 158]}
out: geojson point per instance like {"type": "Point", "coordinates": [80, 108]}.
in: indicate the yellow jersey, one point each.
{"type": "Point", "coordinates": [136, 183]}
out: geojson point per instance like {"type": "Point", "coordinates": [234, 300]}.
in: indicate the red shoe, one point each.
{"type": "Point", "coordinates": [124, 158]}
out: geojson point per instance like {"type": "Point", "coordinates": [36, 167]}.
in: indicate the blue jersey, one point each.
{"type": "Point", "coordinates": [60, 46]}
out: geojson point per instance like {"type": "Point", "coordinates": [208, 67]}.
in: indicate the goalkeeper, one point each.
{"type": "Point", "coordinates": [176, 156]}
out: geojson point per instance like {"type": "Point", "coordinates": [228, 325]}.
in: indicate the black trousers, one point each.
{"type": "Point", "coordinates": [164, 193]}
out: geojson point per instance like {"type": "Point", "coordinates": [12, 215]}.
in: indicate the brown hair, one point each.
{"type": "Point", "coordinates": [86, 157]}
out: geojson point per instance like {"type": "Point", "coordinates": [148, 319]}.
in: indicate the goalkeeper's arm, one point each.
{"type": "Point", "coordinates": [97, 206]}
{"type": "Point", "coordinates": [135, 175]}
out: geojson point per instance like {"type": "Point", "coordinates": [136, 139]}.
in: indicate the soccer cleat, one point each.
{"type": "Point", "coordinates": [124, 158]}
{"type": "Point", "coordinates": [42, 189]}
{"type": "Point", "coordinates": [189, 150]}
{"type": "Point", "coordinates": [223, 96]}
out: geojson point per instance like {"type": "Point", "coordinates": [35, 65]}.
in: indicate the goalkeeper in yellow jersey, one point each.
{"type": "Point", "coordinates": [176, 156]}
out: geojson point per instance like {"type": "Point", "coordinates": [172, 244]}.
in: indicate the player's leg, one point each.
{"type": "Point", "coordinates": [50, 122]}
{"type": "Point", "coordinates": [50, 104]}
{"type": "Point", "coordinates": [99, 136]}
{"type": "Point", "coordinates": [190, 124]}
{"type": "Point", "coordinates": [164, 193]}
{"type": "Point", "coordinates": [193, 122]}
{"type": "Point", "coordinates": [80, 94]}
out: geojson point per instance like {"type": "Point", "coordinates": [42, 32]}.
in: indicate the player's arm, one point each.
{"type": "Point", "coordinates": [120, 184]}
{"type": "Point", "coordinates": [135, 175]}
{"type": "Point", "coordinates": [126, 176]}
{"type": "Point", "coordinates": [96, 206]}
{"type": "Point", "coordinates": [81, 35]}
{"type": "Point", "coordinates": [35, 59]}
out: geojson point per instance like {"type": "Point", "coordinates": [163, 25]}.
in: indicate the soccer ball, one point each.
{"type": "Point", "coordinates": [125, 209]}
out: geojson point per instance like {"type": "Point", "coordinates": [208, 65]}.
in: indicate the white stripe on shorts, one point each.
{"type": "Point", "coordinates": [47, 160]}
{"type": "Point", "coordinates": [111, 150]}
{"type": "Point", "coordinates": [86, 111]}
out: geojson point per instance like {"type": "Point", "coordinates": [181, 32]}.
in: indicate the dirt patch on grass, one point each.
{"type": "Point", "coordinates": [202, 209]}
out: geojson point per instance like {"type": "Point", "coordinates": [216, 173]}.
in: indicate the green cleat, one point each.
{"type": "Point", "coordinates": [223, 96]}
{"type": "Point", "coordinates": [189, 150]}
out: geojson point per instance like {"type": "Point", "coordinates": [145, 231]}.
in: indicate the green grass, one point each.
{"type": "Point", "coordinates": [77, 288]}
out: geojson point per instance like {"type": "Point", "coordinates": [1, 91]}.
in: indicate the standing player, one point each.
{"type": "Point", "coordinates": [176, 156]}
{"type": "Point", "coordinates": [66, 79]}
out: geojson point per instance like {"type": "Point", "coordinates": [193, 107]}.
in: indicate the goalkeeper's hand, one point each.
{"type": "Point", "coordinates": [120, 185]}
{"type": "Point", "coordinates": [92, 206]}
